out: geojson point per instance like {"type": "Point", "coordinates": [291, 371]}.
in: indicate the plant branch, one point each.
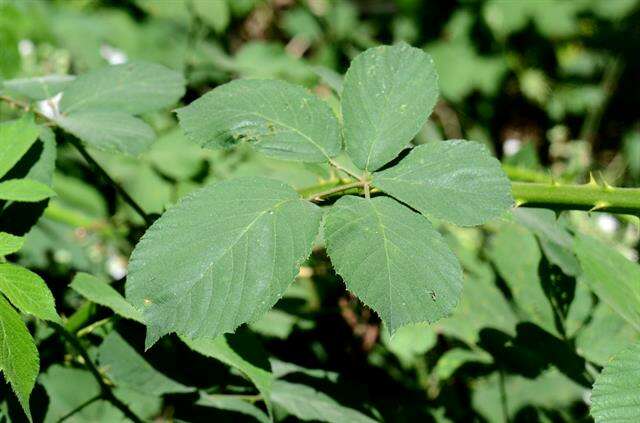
{"type": "Point", "coordinates": [503, 396]}
{"type": "Point", "coordinates": [550, 195]}
{"type": "Point", "coordinates": [22, 105]}
{"type": "Point", "coordinates": [106, 392]}
{"type": "Point", "coordinates": [318, 196]}
{"type": "Point", "coordinates": [103, 173]}
{"type": "Point", "coordinates": [589, 197]}
{"type": "Point", "coordinates": [79, 408]}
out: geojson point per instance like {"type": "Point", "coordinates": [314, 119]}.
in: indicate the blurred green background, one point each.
{"type": "Point", "coordinates": [551, 86]}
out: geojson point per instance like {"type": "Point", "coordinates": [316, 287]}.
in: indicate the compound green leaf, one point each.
{"type": "Point", "coordinates": [616, 392]}
{"type": "Point", "coordinates": [100, 292]}
{"type": "Point", "coordinates": [388, 94]}
{"type": "Point", "coordinates": [613, 278]}
{"type": "Point", "coordinates": [19, 360]}
{"type": "Point", "coordinates": [16, 137]}
{"type": "Point", "coordinates": [40, 87]}
{"type": "Point", "coordinates": [110, 131]}
{"type": "Point", "coordinates": [393, 260]}
{"type": "Point", "coordinates": [24, 190]}
{"type": "Point", "coordinates": [9, 244]}
{"type": "Point", "coordinates": [455, 180]}
{"type": "Point", "coordinates": [135, 87]}
{"type": "Point", "coordinates": [222, 257]}
{"type": "Point", "coordinates": [27, 291]}
{"type": "Point", "coordinates": [306, 403]}
{"type": "Point", "coordinates": [279, 119]}
{"type": "Point", "coordinates": [240, 351]}
{"type": "Point", "coordinates": [126, 368]}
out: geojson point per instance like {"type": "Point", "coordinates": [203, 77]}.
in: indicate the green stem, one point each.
{"type": "Point", "coordinates": [105, 389]}
{"type": "Point", "coordinates": [79, 408]}
{"type": "Point", "coordinates": [103, 173]}
{"type": "Point", "coordinates": [248, 398]}
{"type": "Point", "coordinates": [22, 105]}
{"type": "Point", "coordinates": [503, 396]}
{"type": "Point", "coordinates": [590, 197]}
{"type": "Point", "coordinates": [319, 195]}
{"type": "Point", "coordinates": [93, 326]}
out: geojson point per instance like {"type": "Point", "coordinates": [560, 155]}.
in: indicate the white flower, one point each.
{"type": "Point", "coordinates": [49, 107]}
{"type": "Point", "coordinates": [511, 146]}
{"type": "Point", "coordinates": [113, 55]}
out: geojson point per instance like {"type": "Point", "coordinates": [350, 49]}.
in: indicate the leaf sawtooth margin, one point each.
{"type": "Point", "coordinates": [221, 257]}
{"type": "Point", "coordinates": [388, 94]}
{"type": "Point", "coordinates": [393, 260]}
{"type": "Point", "coordinates": [277, 118]}
{"type": "Point", "coordinates": [457, 181]}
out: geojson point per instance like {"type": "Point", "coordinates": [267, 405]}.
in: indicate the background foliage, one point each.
{"type": "Point", "coordinates": [551, 87]}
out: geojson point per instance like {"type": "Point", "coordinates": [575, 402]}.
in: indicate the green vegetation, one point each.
{"type": "Point", "coordinates": [319, 210]}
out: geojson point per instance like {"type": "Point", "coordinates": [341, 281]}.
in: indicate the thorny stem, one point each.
{"type": "Point", "coordinates": [551, 195]}
{"type": "Point", "coordinates": [105, 389]}
{"type": "Point", "coordinates": [590, 197]}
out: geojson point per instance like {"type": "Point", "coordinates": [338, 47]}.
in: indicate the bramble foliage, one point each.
{"type": "Point", "coordinates": [169, 250]}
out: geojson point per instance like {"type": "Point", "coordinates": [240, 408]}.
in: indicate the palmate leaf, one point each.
{"type": "Point", "coordinates": [457, 181]}
{"type": "Point", "coordinates": [19, 360]}
{"type": "Point", "coordinates": [392, 259]}
{"type": "Point", "coordinates": [222, 257]}
{"type": "Point", "coordinates": [388, 94]}
{"type": "Point", "coordinates": [27, 291]}
{"type": "Point", "coordinates": [616, 392]}
{"type": "Point", "coordinates": [279, 119]}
